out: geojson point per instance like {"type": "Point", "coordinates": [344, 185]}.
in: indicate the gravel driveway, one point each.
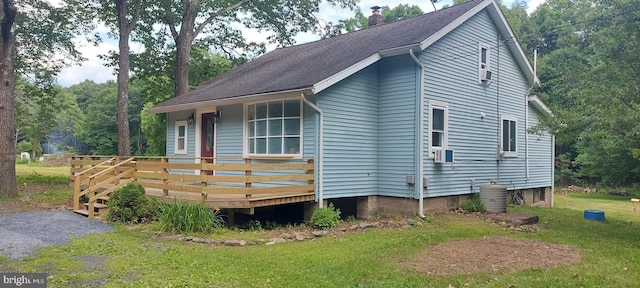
{"type": "Point", "coordinates": [22, 233]}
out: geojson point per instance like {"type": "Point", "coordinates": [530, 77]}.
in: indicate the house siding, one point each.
{"type": "Point", "coordinates": [229, 131]}
{"type": "Point", "coordinates": [171, 136]}
{"type": "Point", "coordinates": [452, 68]}
{"type": "Point", "coordinates": [370, 123]}
{"type": "Point", "coordinates": [540, 159]}
{"type": "Point", "coordinates": [351, 117]}
{"type": "Point", "coordinates": [398, 77]}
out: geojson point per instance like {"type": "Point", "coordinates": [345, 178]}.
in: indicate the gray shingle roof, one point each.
{"type": "Point", "coordinates": [302, 66]}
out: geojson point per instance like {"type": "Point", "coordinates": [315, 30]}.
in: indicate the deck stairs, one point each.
{"type": "Point", "coordinates": [93, 186]}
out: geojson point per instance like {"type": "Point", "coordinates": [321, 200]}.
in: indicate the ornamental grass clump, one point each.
{"type": "Point", "coordinates": [325, 218]}
{"type": "Point", "coordinates": [186, 218]}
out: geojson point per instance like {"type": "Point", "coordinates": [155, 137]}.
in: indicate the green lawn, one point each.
{"type": "Point", "coordinates": [610, 254]}
{"type": "Point", "coordinates": [28, 169]}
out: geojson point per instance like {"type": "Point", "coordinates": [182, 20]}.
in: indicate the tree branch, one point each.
{"type": "Point", "coordinates": [136, 15]}
{"type": "Point", "coordinates": [212, 17]}
{"type": "Point", "coordinates": [169, 21]}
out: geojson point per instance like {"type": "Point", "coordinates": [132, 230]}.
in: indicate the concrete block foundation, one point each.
{"type": "Point", "coordinates": [371, 206]}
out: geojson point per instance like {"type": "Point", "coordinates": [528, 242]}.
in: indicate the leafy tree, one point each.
{"type": "Point", "coordinates": [204, 66]}
{"type": "Point", "coordinates": [43, 107]}
{"type": "Point", "coordinates": [121, 16]}
{"type": "Point", "coordinates": [35, 39]}
{"type": "Point", "coordinates": [85, 92]}
{"type": "Point", "coordinates": [360, 21]}
{"type": "Point", "coordinates": [100, 130]}
{"type": "Point", "coordinates": [216, 24]}
{"type": "Point", "coordinates": [588, 68]}
{"type": "Point", "coordinates": [400, 12]}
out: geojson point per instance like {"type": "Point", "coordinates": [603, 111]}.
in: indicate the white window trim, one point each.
{"type": "Point", "coordinates": [488, 64]}
{"type": "Point", "coordinates": [508, 154]}
{"type": "Point", "coordinates": [186, 137]}
{"type": "Point", "coordinates": [245, 133]}
{"type": "Point", "coordinates": [445, 140]}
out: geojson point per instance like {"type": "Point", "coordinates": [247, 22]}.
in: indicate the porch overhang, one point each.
{"type": "Point", "coordinates": [233, 100]}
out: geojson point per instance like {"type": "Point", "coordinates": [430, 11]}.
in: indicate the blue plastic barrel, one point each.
{"type": "Point", "coordinates": [596, 215]}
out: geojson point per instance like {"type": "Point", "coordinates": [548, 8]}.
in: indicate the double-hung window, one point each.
{"type": "Point", "coordinates": [181, 137]}
{"type": "Point", "coordinates": [274, 128]}
{"type": "Point", "coordinates": [509, 136]}
{"type": "Point", "coordinates": [438, 127]}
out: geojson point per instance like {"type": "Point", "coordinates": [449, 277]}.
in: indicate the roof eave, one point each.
{"type": "Point", "coordinates": [537, 102]}
{"type": "Point", "coordinates": [230, 100]}
{"type": "Point", "coordinates": [335, 78]}
{"type": "Point", "coordinates": [454, 24]}
{"type": "Point", "coordinates": [512, 41]}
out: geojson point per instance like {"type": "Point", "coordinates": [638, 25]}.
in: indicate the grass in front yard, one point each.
{"type": "Point", "coordinates": [134, 258]}
{"type": "Point", "coordinates": [55, 196]}
{"type": "Point", "coordinates": [39, 187]}
{"type": "Point", "coordinates": [28, 169]}
{"type": "Point", "coordinates": [610, 253]}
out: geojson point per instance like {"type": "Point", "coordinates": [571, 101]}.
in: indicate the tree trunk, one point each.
{"type": "Point", "coordinates": [34, 146]}
{"type": "Point", "coordinates": [183, 53]}
{"type": "Point", "coordinates": [8, 184]}
{"type": "Point", "coordinates": [183, 48]}
{"type": "Point", "coordinates": [124, 141]}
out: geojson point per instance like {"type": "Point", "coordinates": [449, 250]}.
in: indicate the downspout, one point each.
{"type": "Point", "coordinates": [553, 167]}
{"type": "Point", "coordinates": [320, 150]}
{"type": "Point", "coordinates": [499, 120]}
{"type": "Point", "coordinates": [420, 141]}
{"type": "Point", "coordinates": [526, 115]}
{"type": "Point", "coordinates": [526, 135]}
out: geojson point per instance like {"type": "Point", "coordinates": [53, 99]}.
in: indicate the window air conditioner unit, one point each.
{"type": "Point", "coordinates": [485, 75]}
{"type": "Point", "coordinates": [438, 156]}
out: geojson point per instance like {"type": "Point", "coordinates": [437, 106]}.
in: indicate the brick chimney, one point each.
{"type": "Point", "coordinates": [376, 18]}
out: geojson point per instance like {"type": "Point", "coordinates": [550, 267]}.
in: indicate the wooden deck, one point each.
{"type": "Point", "coordinates": [230, 183]}
{"type": "Point", "coordinates": [231, 200]}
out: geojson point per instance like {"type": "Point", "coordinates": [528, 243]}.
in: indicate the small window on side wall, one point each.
{"type": "Point", "coordinates": [181, 137]}
{"type": "Point", "coordinates": [484, 61]}
{"type": "Point", "coordinates": [438, 127]}
{"type": "Point", "coordinates": [509, 137]}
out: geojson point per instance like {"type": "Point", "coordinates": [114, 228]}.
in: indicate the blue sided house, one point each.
{"type": "Point", "coordinates": [407, 117]}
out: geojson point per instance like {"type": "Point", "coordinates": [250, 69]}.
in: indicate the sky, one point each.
{"type": "Point", "coordinates": [95, 69]}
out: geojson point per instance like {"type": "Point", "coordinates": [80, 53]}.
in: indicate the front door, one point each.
{"type": "Point", "coordinates": [207, 139]}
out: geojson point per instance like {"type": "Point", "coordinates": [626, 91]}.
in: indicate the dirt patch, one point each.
{"type": "Point", "coordinates": [25, 202]}
{"type": "Point", "coordinates": [489, 254]}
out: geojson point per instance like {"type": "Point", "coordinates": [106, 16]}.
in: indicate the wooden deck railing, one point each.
{"type": "Point", "coordinates": [226, 177]}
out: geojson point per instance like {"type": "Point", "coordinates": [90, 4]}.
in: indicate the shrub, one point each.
{"type": "Point", "coordinates": [179, 217]}
{"type": "Point", "coordinates": [27, 146]}
{"type": "Point", "coordinates": [252, 225]}
{"type": "Point", "coordinates": [325, 218]}
{"type": "Point", "coordinates": [473, 204]}
{"type": "Point", "coordinates": [130, 205]}
{"type": "Point", "coordinates": [271, 225]}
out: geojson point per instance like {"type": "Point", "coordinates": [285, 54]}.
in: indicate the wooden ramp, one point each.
{"type": "Point", "coordinates": [218, 183]}
{"type": "Point", "coordinates": [232, 201]}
